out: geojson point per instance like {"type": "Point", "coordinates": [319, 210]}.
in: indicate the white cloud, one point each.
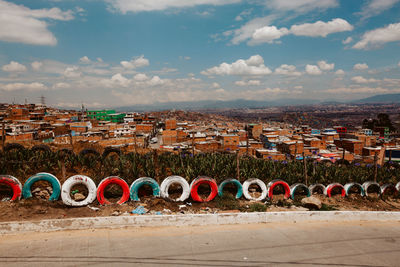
{"type": "Point", "coordinates": [321, 28]}
{"type": "Point", "coordinates": [300, 5]}
{"type": "Point", "coordinates": [252, 66]}
{"type": "Point", "coordinates": [72, 72]}
{"type": "Point", "coordinates": [359, 90]}
{"type": "Point", "coordinates": [398, 64]}
{"type": "Point", "coordinates": [19, 24]}
{"type": "Point", "coordinates": [247, 30]}
{"type": "Point", "coordinates": [61, 86]}
{"type": "Point", "coordinates": [375, 7]}
{"type": "Point", "coordinates": [85, 60]}
{"type": "Point", "coordinates": [140, 77]}
{"type": "Point", "coordinates": [378, 37]}
{"type": "Point", "coordinates": [287, 70]}
{"type": "Point", "coordinates": [298, 87]}
{"type": "Point", "coordinates": [323, 65]}
{"type": "Point", "coordinates": [360, 66]}
{"type": "Point", "coordinates": [125, 6]}
{"type": "Point", "coordinates": [313, 70]}
{"type": "Point", "coordinates": [14, 66]}
{"type": "Point", "coordinates": [243, 14]}
{"type": "Point", "coordinates": [248, 83]}
{"type": "Point", "coordinates": [215, 85]}
{"type": "Point", "coordinates": [340, 72]}
{"type": "Point", "coordinates": [267, 34]}
{"type": "Point", "coordinates": [36, 65]}
{"type": "Point", "coordinates": [347, 40]}
{"type": "Point", "coordinates": [360, 79]}
{"type": "Point", "coordinates": [136, 63]}
{"type": "Point", "coordinates": [23, 86]}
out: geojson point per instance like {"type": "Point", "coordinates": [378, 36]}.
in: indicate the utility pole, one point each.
{"type": "Point", "coordinates": [305, 169]}
{"type": "Point", "coordinates": [237, 165]}
{"type": "Point", "coordinates": [193, 143]}
{"type": "Point", "coordinates": [247, 140]}
{"type": "Point", "coordinates": [135, 141]}
{"type": "Point", "coordinates": [376, 166]}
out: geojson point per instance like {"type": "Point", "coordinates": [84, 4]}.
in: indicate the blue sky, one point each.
{"type": "Point", "coordinates": [125, 52]}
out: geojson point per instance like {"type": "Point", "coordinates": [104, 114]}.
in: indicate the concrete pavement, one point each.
{"type": "Point", "coordinates": [272, 244]}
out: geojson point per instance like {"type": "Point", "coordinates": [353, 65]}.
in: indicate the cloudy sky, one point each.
{"type": "Point", "coordinates": [108, 53]}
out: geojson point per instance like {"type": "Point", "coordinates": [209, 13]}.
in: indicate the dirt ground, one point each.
{"type": "Point", "coordinates": [39, 209]}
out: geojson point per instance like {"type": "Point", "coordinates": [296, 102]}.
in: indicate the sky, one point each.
{"type": "Point", "coordinates": [111, 53]}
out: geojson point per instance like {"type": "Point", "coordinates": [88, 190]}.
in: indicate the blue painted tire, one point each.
{"type": "Point", "coordinates": [42, 176]}
{"type": "Point", "coordinates": [137, 184]}
{"type": "Point", "coordinates": [348, 186]}
{"type": "Point", "coordinates": [231, 181]}
{"type": "Point", "coordinates": [297, 186]}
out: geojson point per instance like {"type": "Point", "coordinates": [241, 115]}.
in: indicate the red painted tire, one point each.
{"type": "Point", "coordinates": [271, 185]}
{"type": "Point", "coordinates": [203, 180]}
{"type": "Point", "coordinates": [330, 187]}
{"type": "Point", "coordinates": [112, 180]}
{"type": "Point", "coordinates": [15, 185]}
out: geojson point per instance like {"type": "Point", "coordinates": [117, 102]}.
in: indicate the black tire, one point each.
{"type": "Point", "coordinates": [11, 146]}
{"type": "Point", "coordinates": [43, 148]}
{"type": "Point", "coordinates": [64, 152]}
{"type": "Point", "coordinates": [89, 151]}
{"type": "Point", "coordinates": [109, 150]}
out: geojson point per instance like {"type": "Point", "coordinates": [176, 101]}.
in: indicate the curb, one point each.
{"type": "Point", "coordinates": [194, 220]}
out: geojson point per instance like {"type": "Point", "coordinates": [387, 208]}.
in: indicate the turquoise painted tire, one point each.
{"type": "Point", "coordinates": [348, 186]}
{"type": "Point", "coordinates": [42, 176]}
{"type": "Point", "coordinates": [231, 181]}
{"type": "Point", "coordinates": [297, 186]}
{"type": "Point", "coordinates": [134, 190]}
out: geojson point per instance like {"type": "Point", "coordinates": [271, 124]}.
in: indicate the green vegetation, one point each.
{"type": "Point", "coordinates": [227, 202]}
{"type": "Point", "coordinates": [24, 163]}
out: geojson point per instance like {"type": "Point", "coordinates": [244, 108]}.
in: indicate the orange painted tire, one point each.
{"type": "Point", "coordinates": [203, 180]}
{"type": "Point", "coordinates": [15, 185]}
{"type": "Point", "coordinates": [112, 180]}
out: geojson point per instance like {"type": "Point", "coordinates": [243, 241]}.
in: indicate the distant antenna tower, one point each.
{"type": "Point", "coordinates": [43, 100]}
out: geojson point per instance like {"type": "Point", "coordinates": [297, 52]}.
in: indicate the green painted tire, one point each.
{"type": "Point", "coordinates": [42, 176]}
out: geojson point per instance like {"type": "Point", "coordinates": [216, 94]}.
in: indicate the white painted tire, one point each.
{"type": "Point", "coordinates": [368, 184]}
{"type": "Point", "coordinates": [314, 187]}
{"type": "Point", "coordinates": [348, 186]}
{"type": "Point", "coordinates": [398, 186]}
{"type": "Point", "coordinates": [74, 180]}
{"type": "Point", "coordinates": [258, 182]}
{"type": "Point", "coordinates": [388, 186]}
{"type": "Point", "coordinates": [167, 182]}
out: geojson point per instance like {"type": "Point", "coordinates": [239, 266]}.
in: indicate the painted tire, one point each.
{"type": "Point", "coordinates": [137, 184]}
{"type": "Point", "coordinates": [271, 185]}
{"type": "Point", "coordinates": [231, 181]}
{"type": "Point", "coordinates": [74, 180]}
{"type": "Point", "coordinates": [258, 182]}
{"type": "Point", "coordinates": [398, 186]}
{"type": "Point", "coordinates": [203, 180]}
{"type": "Point", "coordinates": [386, 187]}
{"type": "Point", "coordinates": [167, 182]}
{"type": "Point", "coordinates": [367, 185]}
{"type": "Point", "coordinates": [42, 176]}
{"type": "Point", "coordinates": [15, 185]}
{"type": "Point", "coordinates": [112, 180]}
{"type": "Point", "coordinates": [330, 187]}
{"type": "Point", "coordinates": [313, 188]}
{"type": "Point", "coordinates": [296, 187]}
{"type": "Point", "coordinates": [348, 186]}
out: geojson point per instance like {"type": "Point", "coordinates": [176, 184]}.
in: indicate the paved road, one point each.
{"type": "Point", "coordinates": [294, 244]}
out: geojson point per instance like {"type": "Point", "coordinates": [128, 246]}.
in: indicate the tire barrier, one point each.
{"type": "Point", "coordinates": [258, 182]}
{"type": "Point", "coordinates": [298, 186]}
{"type": "Point", "coordinates": [138, 183]}
{"type": "Point", "coordinates": [15, 185]}
{"type": "Point", "coordinates": [112, 180]}
{"type": "Point", "coordinates": [203, 180]}
{"type": "Point", "coordinates": [64, 152]}
{"type": "Point", "coordinates": [231, 181]}
{"type": "Point", "coordinates": [43, 148]}
{"type": "Point", "coordinates": [109, 150]}
{"type": "Point", "coordinates": [371, 185]}
{"type": "Point", "coordinates": [11, 146]}
{"type": "Point", "coordinates": [349, 186]}
{"type": "Point", "coordinates": [315, 188]}
{"type": "Point", "coordinates": [42, 176]}
{"type": "Point", "coordinates": [170, 180]}
{"type": "Point", "coordinates": [330, 187]}
{"type": "Point", "coordinates": [387, 188]}
{"type": "Point", "coordinates": [271, 185]}
{"type": "Point", "coordinates": [398, 186]}
{"type": "Point", "coordinates": [76, 180]}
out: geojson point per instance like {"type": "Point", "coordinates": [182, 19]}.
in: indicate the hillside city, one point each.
{"type": "Point", "coordinates": [281, 138]}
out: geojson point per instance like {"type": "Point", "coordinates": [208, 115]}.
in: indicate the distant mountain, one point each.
{"type": "Point", "coordinates": [217, 104]}
{"type": "Point", "coordinates": [386, 98]}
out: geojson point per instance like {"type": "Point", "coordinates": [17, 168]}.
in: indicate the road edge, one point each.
{"type": "Point", "coordinates": [193, 220]}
